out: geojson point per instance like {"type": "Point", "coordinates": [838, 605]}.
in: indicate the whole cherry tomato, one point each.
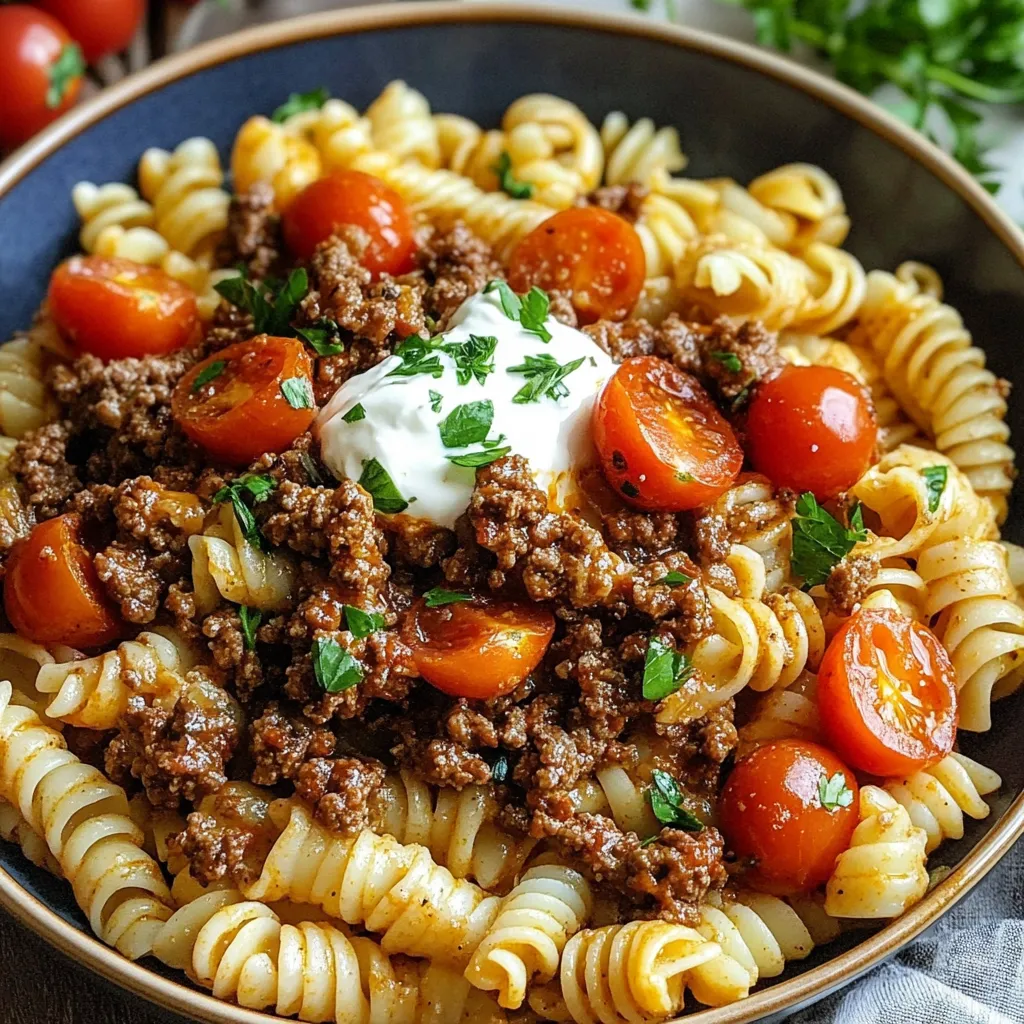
{"type": "Point", "coordinates": [589, 252]}
{"type": "Point", "coordinates": [100, 27]}
{"type": "Point", "coordinates": [812, 428]}
{"type": "Point", "coordinates": [115, 308]}
{"type": "Point", "coordinates": [479, 649]}
{"type": "Point", "coordinates": [790, 807]}
{"type": "Point", "coordinates": [40, 72]}
{"type": "Point", "coordinates": [887, 694]}
{"type": "Point", "coordinates": [351, 197]}
{"type": "Point", "coordinates": [51, 592]}
{"type": "Point", "coordinates": [252, 397]}
{"type": "Point", "coordinates": [663, 444]}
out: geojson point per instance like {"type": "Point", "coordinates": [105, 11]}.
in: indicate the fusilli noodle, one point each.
{"type": "Point", "coordinates": [811, 196]}
{"type": "Point", "coordinates": [267, 152]}
{"type": "Point", "coordinates": [15, 829]}
{"type": "Point", "coordinates": [400, 123]}
{"type": "Point", "coordinates": [634, 152]}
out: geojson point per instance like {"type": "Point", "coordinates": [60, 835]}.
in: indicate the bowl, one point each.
{"type": "Point", "coordinates": [740, 111]}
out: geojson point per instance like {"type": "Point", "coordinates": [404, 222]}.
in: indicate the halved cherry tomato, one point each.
{"type": "Point", "coordinates": [51, 592]}
{"type": "Point", "coordinates": [887, 694]}
{"type": "Point", "coordinates": [663, 444]}
{"type": "Point", "coordinates": [587, 251]}
{"type": "Point", "coordinates": [790, 807]}
{"type": "Point", "coordinates": [479, 649]}
{"type": "Point", "coordinates": [40, 72]}
{"type": "Point", "coordinates": [252, 397]}
{"type": "Point", "coordinates": [812, 428]}
{"type": "Point", "coordinates": [114, 308]}
{"type": "Point", "coordinates": [100, 27]}
{"type": "Point", "coordinates": [351, 197]}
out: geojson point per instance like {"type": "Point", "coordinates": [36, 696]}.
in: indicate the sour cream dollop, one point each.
{"type": "Point", "coordinates": [399, 421]}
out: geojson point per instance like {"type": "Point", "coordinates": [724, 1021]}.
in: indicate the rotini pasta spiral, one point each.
{"type": "Point", "coordinates": [760, 521]}
{"type": "Point", "coordinates": [102, 207]}
{"type": "Point", "coordinates": [420, 908]}
{"type": "Point", "coordinates": [15, 829]}
{"type": "Point", "coordinates": [635, 152]}
{"type": "Point", "coordinates": [937, 798]}
{"type": "Point", "coordinates": [84, 819]}
{"type": "Point", "coordinates": [782, 715]}
{"type": "Point", "coordinates": [791, 637]}
{"type": "Point", "coordinates": [335, 129]}
{"type": "Point", "coordinates": [665, 230]}
{"type": "Point", "coordinates": [400, 123]}
{"type": "Point", "coordinates": [25, 399]}
{"type": "Point", "coordinates": [524, 943]}
{"type": "Point", "coordinates": [225, 565]}
{"type": "Point", "coordinates": [882, 873]}
{"type": "Point", "coordinates": [620, 795]}
{"type": "Point", "coordinates": [93, 694]}
{"type": "Point", "coordinates": [285, 160]}
{"type": "Point", "coordinates": [457, 826]}
{"type": "Point", "coordinates": [158, 825]}
{"type": "Point", "coordinates": [811, 196]}
{"type": "Point", "coordinates": [836, 288]}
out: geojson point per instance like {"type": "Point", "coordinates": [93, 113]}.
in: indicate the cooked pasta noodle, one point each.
{"type": "Point", "coordinates": [15, 829]}
{"type": "Point", "coordinates": [836, 287]}
{"type": "Point", "coordinates": [808, 194]}
{"type": "Point", "coordinates": [267, 152]}
{"type": "Point", "coordinates": [782, 715]}
{"type": "Point", "coordinates": [104, 207]}
{"type": "Point", "coordinates": [791, 637]}
{"type": "Point", "coordinates": [620, 795]}
{"type": "Point", "coordinates": [400, 123]}
{"type": "Point", "coordinates": [25, 399]}
{"type": "Point", "coordinates": [336, 130]}
{"type": "Point", "coordinates": [633, 153]}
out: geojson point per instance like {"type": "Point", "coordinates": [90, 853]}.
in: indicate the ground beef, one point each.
{"type": "Point", "coordinates": [331, 372]}
{"type": "Point", "coordinates": [561, 307]}
{"type": "Point", "coordinates": [417, 542]}
{"type": "Point", "coordinates": [625, 200]}
{"type": "Point", "coordinates": [162, 519]}
{"type": "Point", "coordinates": [505, 505]}
{"type": "Point", "coordinates": [280, 743]}
{"type": "Point", "coordinates": [755, 348]}
{"type": "Point", "coordinates": [254, 232]}
{"type": "Point", "coordinates": [343, 290]}
{"type": "Point", "coordinates": [685, 607]}
{"type": "Point", "coordinates": [679, 343]}
{"type": "Point", "coordinates": [215, 851]}
{"type": "Point", "coordinates": [426, 747]}
{"type": "Point", "coordinates": [131, 580]}
{"type": "Point", "coordinates": [341, 791]}
{"type": "Point", "coordinates": [223, 630]}
{"type": "Point", "coordinates": [623, 339]}
{"type": "Point", "coordinates": [849, 581]}
{"type": "Point", "coordinates": [456, 264]}
{"type": "Point", "coordinates": [229, 326]}
{"type": "Point", "coordinates": [641, 536]}
{"type": "Point", "coordinates": [590, 839]}
{"type": "Point", "coordinates": [40, 465]}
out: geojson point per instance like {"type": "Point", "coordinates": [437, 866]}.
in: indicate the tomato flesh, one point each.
{"type": "Point", "coordinates": [100, 27]}
{"type": "Point", "coordinates": [887, 694]}
{"type": "Point", "coordinates": [51, 592]}
{"type": "Point", "coordinates": [663, 444]}
{"type": "Point", "coordinates": [115, 309]}
{"type": "Point", "coordinates": [593, 254]}
{"type": "Point", "coordinates": [479, 649]}
{"type": "Point", "coordinates": [812, 428]}
{"type": "Point", "coordinates": [351, 197]}
{"type": "Point", "coordinates": [771, 812]}
{"type": "Point", "coordinates": [234, 403]}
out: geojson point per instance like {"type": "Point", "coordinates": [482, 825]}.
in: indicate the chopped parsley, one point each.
{"type": "Point", "coordinates": [666, 800]}
{"type": "Point", "coordinates": [377, 482]}
{"type": "Point", "coordinates": [674, 579]}
{"type": "Point", "coordinates": [530, 311]}
{"type": "Point", "coordinates": [300, 103]}
{"type": "Point", "coordinates": [438, 596]}
{"type": "Point", "coordinates": [250, 619]}
{"type": "Point", "coordinates": [258, 487]}
{"type": "Point", "coordinates": [474, 358]}
{"type": "Point", "coordinates": [334, 668]}
{"type": "Point", "coordinates": [69, 65]}
{"type": "Point", "coordinates": [935, 478]}
{"type": "Point", "coordinates": [273, 304]}
{"type": "Point", "coordinates": [833, 792]}
{"type": "Point", "coordinates": [474, 460]}
{"type": "Point", "coordinates": [418, 355]}
{"type": "Point", "coordinates": [298, 392]}
{"type": "Point", "coordinates": [729, 360]}
{"type": "Point", "coordinates": [362, 623]}
{"type": "Point", "coordinates": [665, 669]}
{"type": "Point", "coordinates": [544, 376]}
{"type": "Point", "coordinates": [499, 770]}
{"type": "Point", "coordinates": [467, 424]}
{"type": "Point", "coordinates": [435, 400]}
{"type": "Point", "coordinates": [507, 182]}
{"type": "Point", "coordinates": [208, 373]}
{"type": "Point", "coordinates": [355, 414]}
{"type": "Point", "coordinates": [820, 541]}
{"type": "Point", "coordinates": [324, 337]}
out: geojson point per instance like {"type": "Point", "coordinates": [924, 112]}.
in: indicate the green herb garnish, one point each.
{"type": "Point", "coordinates": [273, 305]}
{"type": "Point", "coordinates": [298, 392]}
{"type": "Point", "coordinates": [474, 460]}
{"type": "Point", "coordinates": [666, 799]}
{"type": "Point", "coordinates": [69, 65]}
{"type": "Point", "coordinates": [467, 424]}
{"type": "Point", "coordinates": [211, 372]}
{"type": "Point", "coordinates": [438, 596]}
{"type": "Point", "coordinates": [435, 400]}
{"type": "Point", "coordinates": [323, 336]}
{"type": "Point", "coordinates": [362, 623]}
{"type": "Point", "coordinates": [833, 792]}
{"type": "Point", "coordinates": [250, 619]}
{"type": "Point", "coordinates": [665, 669]}
{"type": "Point", "coordinates": [507, 181]}
{"type": "Point", "coordinates": [418, 355]}
{"type": "Point", "coordinates": [674, 579]}
{"type": "Point", "coordinates": [499, 770]}
{"type": "Point", "coordinates": [729, 360]}
{"type": "Point", "coordinates": [935, 478]}
{"type": "Point", "coordinates": [258, 487]}
{"type": "Point", "coordinates": [820, 541]}
{"type": "Point", "coordinates": [334, 668]}
{"type": "Point", "coordinates": [377, 482]}
{"type": "Point", "coordinates": [355, 414]}
{"type": "Point", "coordinates": [300, 103]}
{"type": "Point", "coordinates": [474, 358]}
{"type": "Point", "coordinates": [530, 311]}
{"type": "Point", "coordinates": [544, 376]}
{"type": "Point", "coordinates": [310, 467]}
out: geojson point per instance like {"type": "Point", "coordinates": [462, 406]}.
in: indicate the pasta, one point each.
{"type": "Point", "coordinates": [15, 829]}
{"type": "Point", "coordinates": [267, 152]}
{"type": "Point", "coordinates": [635, 152]}
{"type": "Point", "coordinates": [25, 400]}
{"type": "Point", "coordinates": [400, 123]}
{"type": "Point", "coordinates": [782, 715]}
{"type": "Point", "coordinates": [811, 196]}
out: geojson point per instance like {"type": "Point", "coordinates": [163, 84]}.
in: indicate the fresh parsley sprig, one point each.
{"type": "Point", "coordinates": [257, 486]}
{"type": "Point", "coordinates": [666, 800]}
{"type": "Point", "coordinates": [273, 304]}
{"type": "Point", "coordinates": [377, 482]}
{"type": "Point", "coordinates": [820, 541]}
{"type": "Point", "coordinates": [935, 478]}
{"type": "Point", "coordinates": [418, 355]}
{"type": "Point", "coordinates": [665, 669]}
{"type": "Point", "coordinates": [334, 668]}
{"type": "Point", "coordinates": [360, 623]}
{"type": "Point", "coordinates": [323, 337]}
{"type": "Point", "coordinates": [250, 620]}
{"type": "Point", "coordinates": [833, 792]}
{"type": "Point", "coordinates": [545, 375]}
{"type": "Point", "coordinates": [508, 182]}
{"type": "Point", "coordinates": [474, 357]}
{"type": "Point", "coordinates": [530, 311]}
{"type": "Point", "coordinates": [467, 424]}
{"type": "Point", "coordinates": [299, 103]}
{"type": "Point", "coordinates": [438, 596]}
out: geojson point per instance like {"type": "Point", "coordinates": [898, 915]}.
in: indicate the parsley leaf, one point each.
{"type": "Point", "coordinates": [355, 414]}
{"type": "Point", "coordinates": [211, 372]}
{"type": "Point", "coordinates": [377, 482]}
{"type": "Point", "coordinates": [299, 103]}
{"type": "Point", "coordinates": [323, 337]}
{"type": "Point", "coordinates": [474, 460]}
{"type": "Point", "coordinates": [250, 619]}
{"type": "Point", "coordinates": [334, 668]}
{"type": "Point", "coordinates": [729, 360]}
{"type": "Point", "coordinates": [258, 487]}
{"type": "Point", "coordinates": [665, 669]}
{"type": "Point", "coordinates": [820, 541]}
{"type": "Point", "coordinates": [666, 799]}
{"type": "Point", "coordinates": [507, 182]}
{"type": "Point", "coordinates": [435, 400]}
{"type": "Point", "coordinates": [674, 579]}
{"type": "Point", "coordinates": [544, 376]}
{"type": "Point", "coordinates": [935, 478]}
{"type": "Point", "coordinates": [362, 623]}
{"type": "Point", "coordinates": [69, 65]}
{"type": "Point", "coordinates": [272, 309]}
{"type": "Point", "coordinates": [438, 596]}
{"type": "Point", "coordinates": [530, 311]}
{"type": "Point", "coordinates": [499, 770]}
{"type": "Point", "coordinates": [833, 792]}
{"type": "Point", "coordinates": [473, 357]}
{"type": "Point", "coordinates": [418, 355]}
{"type": "Point", "coordinates": [298, 392]}
{"type": "Point", "coordinates": [467, 424]}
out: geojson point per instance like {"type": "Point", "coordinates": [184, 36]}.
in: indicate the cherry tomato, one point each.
{"type": "Point", "coordinates": [812, 428]}
{"type": "Point", "coordinates": [790, 807]}
{"type": "Point", "coordinates": [479, 649]}
{"type": "Point", "coordinates": [247, 399]}
{"type": "Point", "coordinates": [887, 694]}
{"type": "Point", "coordinates": [663, 445]}
{"type": "Point", "coordinates": [351, 197]}
{"type": "Point", "coordinates": [51, 592]}
{"type": "Point", "coordinates": [114, 308]}
{"type": "Point", "coordinates": [591, 253]}
{"type": "Point", "coordinates": [100, 27]}
{"type": "Point", "coordinates": [40, 72]}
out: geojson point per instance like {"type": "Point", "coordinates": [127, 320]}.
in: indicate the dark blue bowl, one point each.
{"type": "Point", "coordinates": [740, 112]}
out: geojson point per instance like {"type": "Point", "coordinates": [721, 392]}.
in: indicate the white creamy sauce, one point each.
{"type": "Point", "coordinates": [400, 427]}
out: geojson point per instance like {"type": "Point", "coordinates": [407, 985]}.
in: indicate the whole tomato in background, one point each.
{"type": "Point", "coordinates": [100, 27]}
{"type": "Point", "coordinates": [40, 72]}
